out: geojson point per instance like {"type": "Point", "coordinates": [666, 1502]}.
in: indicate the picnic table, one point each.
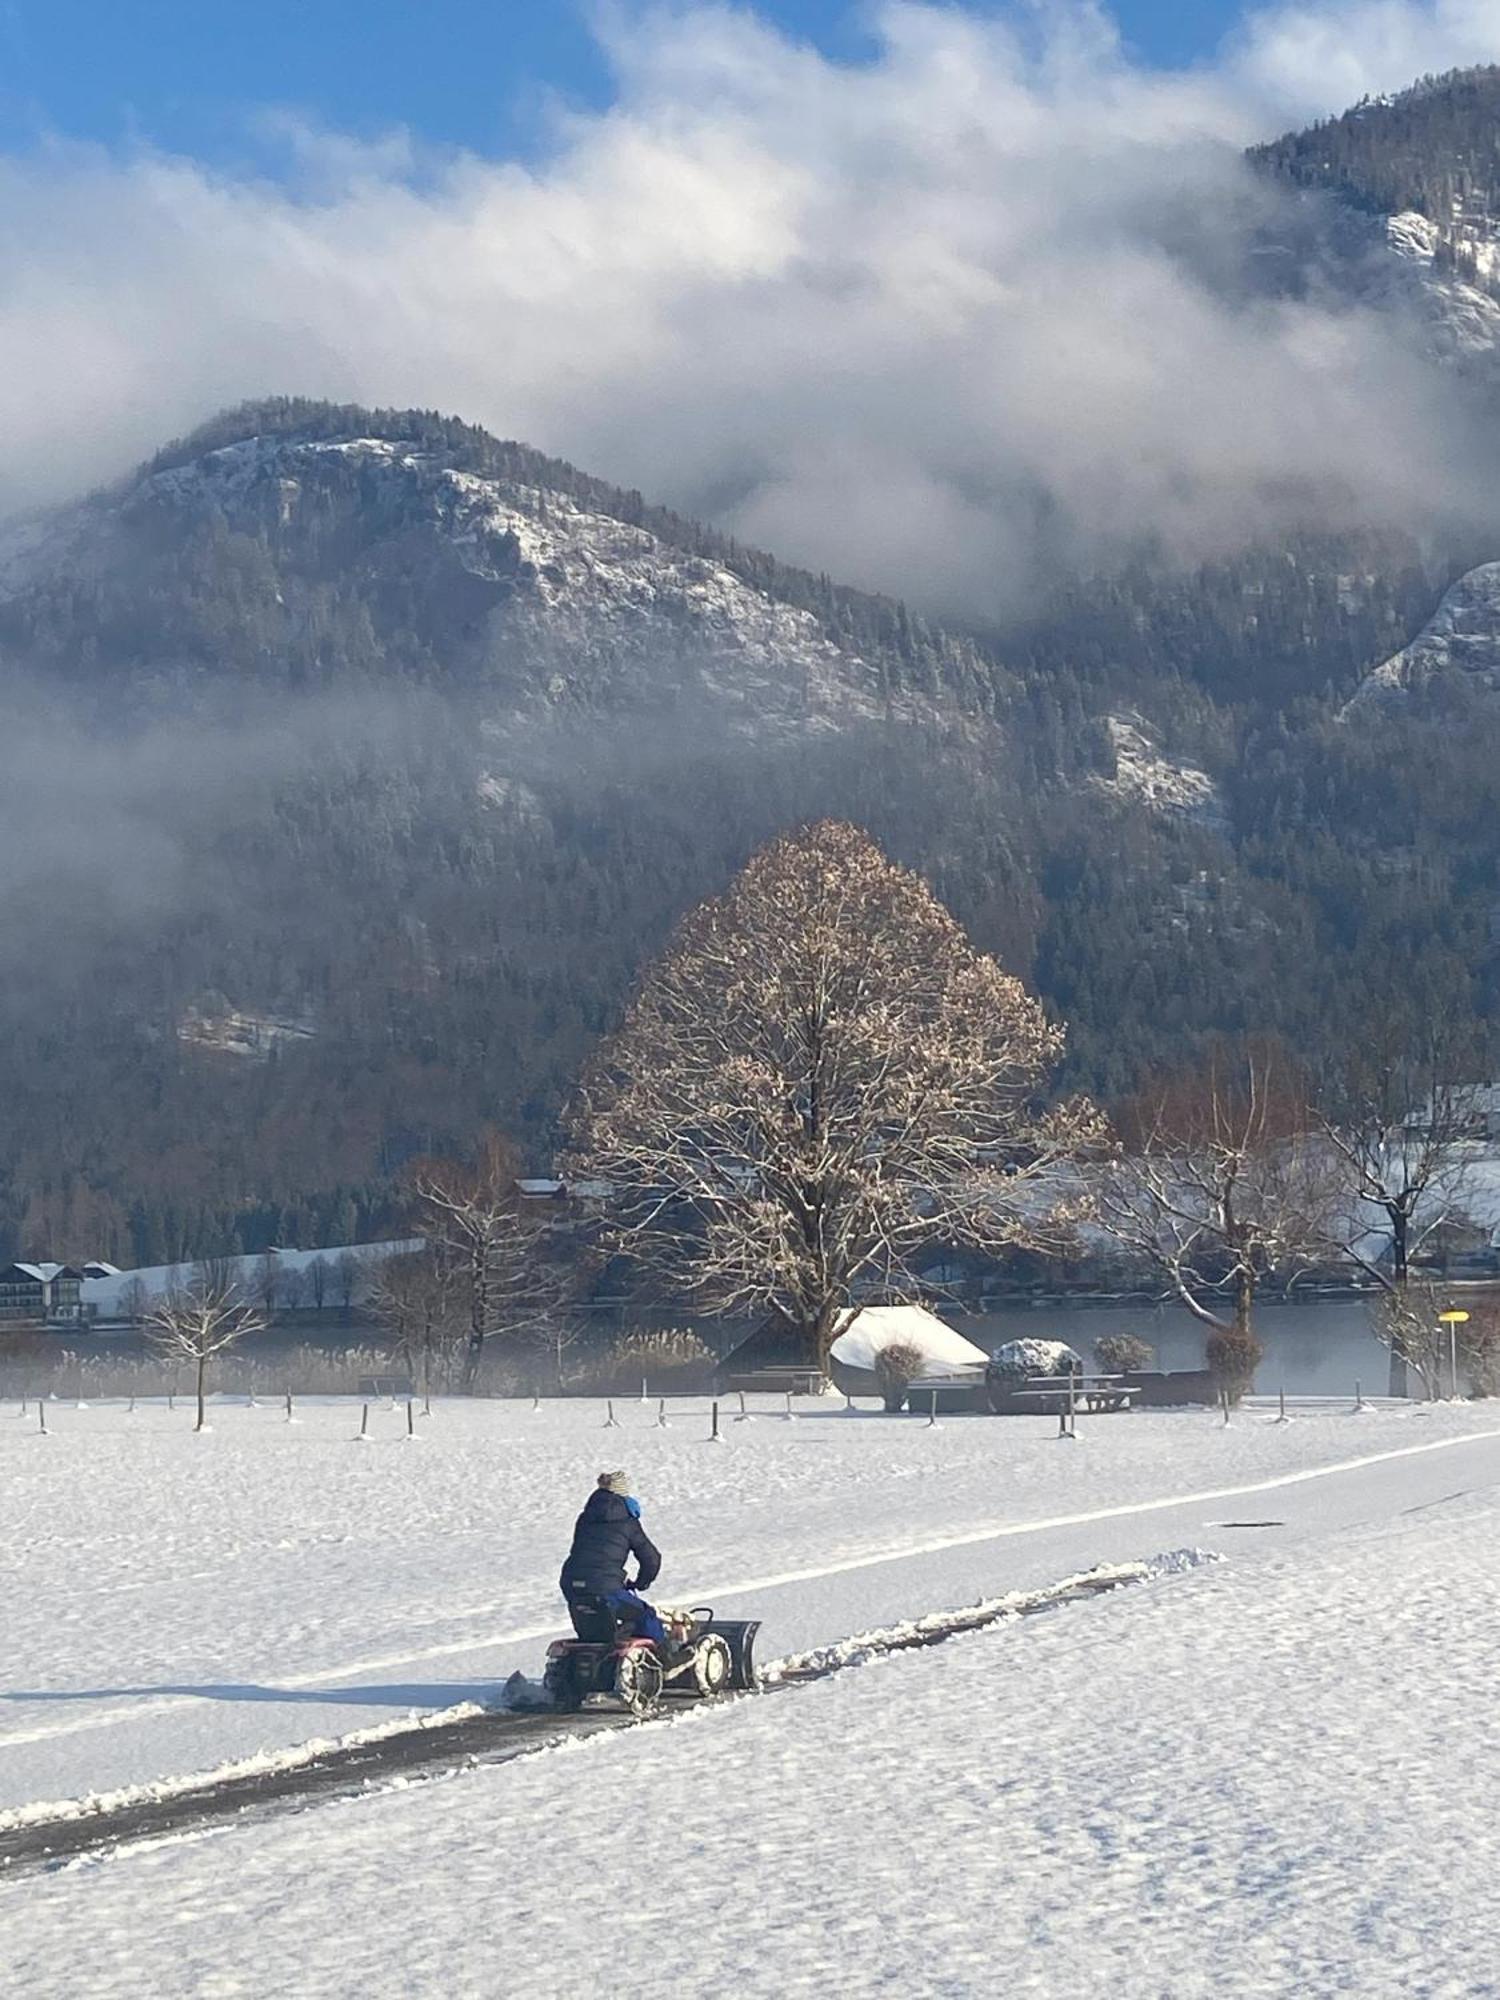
{"type": "Point", "coordinates": [1094, 1393]}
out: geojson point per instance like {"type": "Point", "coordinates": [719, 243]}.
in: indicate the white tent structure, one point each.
{"type": "Point", "coordinates": [944, 1352]}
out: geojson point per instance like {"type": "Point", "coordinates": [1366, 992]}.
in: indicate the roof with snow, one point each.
{"type": "Point", "coordinates": [878, 1327]}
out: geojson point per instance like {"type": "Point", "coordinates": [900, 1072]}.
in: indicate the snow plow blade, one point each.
{"type": "Point", "coordinates": [739, 1635]}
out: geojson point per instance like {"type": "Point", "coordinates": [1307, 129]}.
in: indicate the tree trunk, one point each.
{"type": "Point", "coordinates": [1244, 1301]}
{"type": "Point", "coordinates": [1399, 1381]}
{"type": "Point", "coordinates": [202, 1365]}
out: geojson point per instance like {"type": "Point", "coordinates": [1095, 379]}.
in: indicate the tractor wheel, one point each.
{"type": "Point", "coordinates": [712, 1665]}
{"type": "Point", "coordinates": [560, 1685]}
{"type": "Point", "coordinates": [639, 1680]}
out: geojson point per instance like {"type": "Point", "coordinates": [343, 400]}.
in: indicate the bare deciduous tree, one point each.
{"type": "Point", "coordinates": [346, 1273]}
{"type": "Point", "coordinates": [819, 1079]}
{"type": "Point", "coordinates": [197, 1324]}
{"type": "Point", "coordinates": [1397, 1111]}
{"type": "Point", "coordinates": [1407, 1321]}
{"type": "Point", "coordinates": [494, 1235]}
{"type": "Point", "coordinates": [317, 1281]}
{"type": "Point", "coordinates": [1225, 1179]}
{"type": "Point", "coordinates": [134, 1299]}
{"type": "Point", "coordinates": [416, 1296]}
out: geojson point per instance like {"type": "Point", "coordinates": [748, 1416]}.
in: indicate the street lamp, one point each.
{"type": "Point", "coordinates": [1453, 1320]}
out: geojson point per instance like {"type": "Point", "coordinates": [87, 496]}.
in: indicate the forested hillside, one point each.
{"type": "Point", "coordinates": [1435, 148]}
{"type": "Point", "coordinates": [363, 757]}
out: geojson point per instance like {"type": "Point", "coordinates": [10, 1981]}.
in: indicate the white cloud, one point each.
{"type": "Point", "coordinates": [939, 322]}
{"type": "Point", "coordinates": [1304, 62]}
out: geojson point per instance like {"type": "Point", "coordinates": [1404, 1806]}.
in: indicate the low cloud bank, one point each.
{"type": "Point", "coordinates": [951, 322]}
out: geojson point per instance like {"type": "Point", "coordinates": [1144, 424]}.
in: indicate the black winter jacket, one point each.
{"type": "Point", "coordinates": [604, 1535]}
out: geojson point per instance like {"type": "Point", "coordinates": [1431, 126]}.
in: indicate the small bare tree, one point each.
{"type": "Point", "coordinates": [133, 1299]}
{"type": "Point", "coordinates": [317, 1281]}
{"type": "Point", "coordinates": [1396, 1108]}
{"type": "Point", "coordinates": [1407, 1323]}
{"type": "Point", "coordinates": [268, 1282]}
{"type": "Point", "coordinates": [196, 1325]}
{"type": "Point", "coordinates": [1223, 1182]}
{"type": "Point", "coordinates": [819, 1080]}
{"type": "Point", "coordinates": [494, 1236]}
{"type": "Point", "coordinates": [347, 1272]}
{"type": "Point", "coordinates": [416, 1296]}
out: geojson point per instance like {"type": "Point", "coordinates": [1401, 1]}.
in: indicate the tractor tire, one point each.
{"type": "Point", "coordinates": [713, 1666]}
{"type": "Point", "coordinates": [639, 1681]}
{"type": "Point", "coordinates": [561, 1685]}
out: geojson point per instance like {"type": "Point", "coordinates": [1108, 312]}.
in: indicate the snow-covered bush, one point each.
{"type": "Point", "coordinates": [1233, 1354]}
{"type": "Point", "coordinates": [1018, 1361]}
{"type": "Point", "coordinates": [896, 1368]}
{"type": "Point", "coordinates": [1124, 1354]}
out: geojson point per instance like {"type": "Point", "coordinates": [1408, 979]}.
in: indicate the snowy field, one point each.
{"type": "Point", "coordinates": [1242, 1778]}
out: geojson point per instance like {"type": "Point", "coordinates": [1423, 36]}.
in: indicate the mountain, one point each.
{"type": "Point", "coordinates": [361, 757]}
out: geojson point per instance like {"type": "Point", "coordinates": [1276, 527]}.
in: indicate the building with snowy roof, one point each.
{"type": "Point", "coordinates": [39, 1294]}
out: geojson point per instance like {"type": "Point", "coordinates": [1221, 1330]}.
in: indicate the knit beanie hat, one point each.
{"type": "Point", "coordinates": [614, 1482]}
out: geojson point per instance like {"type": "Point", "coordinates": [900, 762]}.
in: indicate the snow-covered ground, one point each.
{"type": "Point", "coordinates": [1256, 1777]}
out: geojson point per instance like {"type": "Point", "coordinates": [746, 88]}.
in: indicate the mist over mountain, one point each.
{"type": "Point", "coordinates": [356, 758]}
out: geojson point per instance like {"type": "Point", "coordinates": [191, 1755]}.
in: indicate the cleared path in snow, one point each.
{"type": "Point", "coordinates": [63, 1743]}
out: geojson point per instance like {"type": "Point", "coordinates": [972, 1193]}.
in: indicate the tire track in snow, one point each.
{"type": "Point", "coordinates": [60, 1833]}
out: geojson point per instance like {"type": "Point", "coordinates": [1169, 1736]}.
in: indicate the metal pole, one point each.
{"type": "Point", "coordinates": [611, 1421]}
{"type": "Point", "coordinates": [1453, 1360]}
{"type": "Point", "coordinates": [41, 1416]}
{"type": "Point", "coordinates": [932, 1409]}
{"type": "Point", "coordinates": [713, 1436]}
{"type": "Point", "coordinates": [411, 1419]}
{"type": "Point", "coordinates": [661, 1414]}
{"type": "Point", "coordinates": [364, 1419]}
{"type": "Point", "coordinates": [1281, 1416]}
{"type": "Point", "coordinates": [1359, 1400]}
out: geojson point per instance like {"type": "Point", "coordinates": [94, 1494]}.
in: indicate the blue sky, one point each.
{"type": "Point", "coordinates": [185, 74]}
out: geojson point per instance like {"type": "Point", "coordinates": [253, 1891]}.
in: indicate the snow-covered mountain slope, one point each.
{"type": "Point", "coordinates": [1462, 638]}
{"type": "Point", "coordinates": [569, 609]}
{"type": "Point", "coordinates": [1455, 297]}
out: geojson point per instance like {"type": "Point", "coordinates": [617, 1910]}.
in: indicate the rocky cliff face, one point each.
{"type": "Point", "coordinates": [1461, 641]}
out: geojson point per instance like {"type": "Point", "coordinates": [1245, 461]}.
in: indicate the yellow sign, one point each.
{"type": "Point", "coordinates": [1453, 1318]}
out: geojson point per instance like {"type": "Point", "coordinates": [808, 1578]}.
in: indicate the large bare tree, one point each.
{"type": "Point", "coordinates": [495, 1237]}
{"type": "Point", "coordinates": [198, 1323]}
{"type": "Point", "coordinates": [820, 1078]}
{"type": "Point", "coordinates": [1224, 1180]}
